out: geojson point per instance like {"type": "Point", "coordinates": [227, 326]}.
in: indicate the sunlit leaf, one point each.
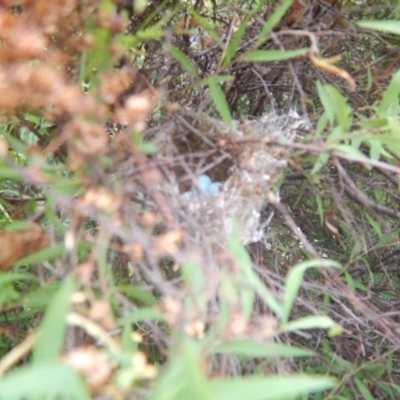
{"type": "Point", "coordinates": [142, 314]}
{"type": "Point", "coordinates": [184, 60]}
{"type": "Point", "coordinates": [53, 327]}
{"type": "Point", "coordinates": [44, 381]}
{"type": "Point", "coordinates": [252, 348]}
{"type": "Point", "coordinates": [272, 55]}
{"type": "Point", "coordinates": [47, 254]}
{"type": "Point", "coordinates": [219, 100]}
{"type": "Point", "coordinates": [389, 26]}
{"type": "Point", "coordinates": [390, 99]}
{"type": "Point", "coordinates": [271, 388]}
{"type": "Point", "coordinates": [363, 389]}
{"type": "Point", "coordinates": [272, 21]}
{"type": "Point", "coordinates": [294, 279]}
{"type": "Point", "coordinates": [309, 322]}
{"type": "Point", "coordinates": [242, 257]}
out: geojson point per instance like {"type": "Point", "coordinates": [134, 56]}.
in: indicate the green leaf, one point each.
{"type": "Point", "coordinates": [323, 158]}
{"type": "Point", "coordinates": [195, 383]}
{"type": "Point", "coordinates": [52, 329]}
{"type": "Point", "coordinates": [243, 259]}
{"type": "Point", "coordinates": [347, 149]}
{"type": "Point", "coordinates": [326, 102]}
{"type": "Point", "coordinates": [235, 41]}
{"type": "Point", "coordinates": [309, 322]}
{"type": "Point", "coordinates": [143, 314]}
{"type": "Point", "coordinates": [99, 57]}
{"type": "Point", "coordinates": [252, 348]}
{"type": "Point", "coordinates": [272, 55]}
{"type": "Point", "coordinates": [382, 26]}
{"type": "Point", "coordinates": [183, 379]}
{"type": "Point", "coordinates": [295, 278]}
{"type": "Point", "coordinates": [364, 391]}
{"type": "Point", "coordinates": [43, 381]}
{"type": "Point", "coordinates": [127, 342]}
{"type": "Point", "coordinates": [357, 248]}
{"type": "Point", "coordinates": [384, 242]}
{"type": "Point", "coordinates": [320, 209]}
{"type": "Point", "coordinates": [148, 148]}
{"type": "Point", "coordinates": [219, 100]}
{"type": "Point", "coordinates": [272, 21]}
{"type": "Point", "coordinates": [322, 122]}
{"type": "Point", "coordinates": [11, 277]}
{"type": "Point", "coordinates": [390, 99]}
{"type": "Point", "coordinates": [375, 225]}
{"type": "Point", "coordinates": [340, 107]}
{"type": "Point", "coordinates": [184, 60]}
{"type": "Point", "coordinates": [138, 294]}
{"type": "Point", "coordinates": [46, 254]}
{"type": "Point", "coordinates": [375, 149]}
{"type": "Point", "coordinates": [205, 24]}
{"type": "Point", "coordinates": [271, 388]}
{"type": "Point", "coordinates": [169, 385]}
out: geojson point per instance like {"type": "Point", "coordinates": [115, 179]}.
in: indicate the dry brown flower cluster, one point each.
{"type": "Point", "coordinates": [43, 46]}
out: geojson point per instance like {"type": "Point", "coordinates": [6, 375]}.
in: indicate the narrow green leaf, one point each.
{"type": "Point", "coordinates": [183, 378]}
{"type": "Point", "coordinates": [206, 25]}
{"type": "Point", "coordinates": [148, 148]}
{"type": "Point", "coordinates": [364, 391]}
{"type": "Point", "coordinates": [44, 381]}
{"type": "Point", "coordinates": [235, 41]}
{"type": "Point", "coordinates": [46, 254]}
{"type": "Point", "coordinates": [184, 60]}
{"type": "Point", "coordinates": [375, 225]}
{"type": "Point", "coordinates": [341, 108]}
{"type": "Point", "coordinates": [357, 248]}
{"type": "Point", "coordinates": [385, 241]}
{"type": "Point", "coordinates": [127, 343]}
{"type": "Point", "coordinates": [320, 208]}
{"type": "Point", "coordinates": [390, 99]}
{"type": "Point", "coordinates": [169, 385]}
{"type": "Point", "coordinates": [247, 294]}
{"type": "Point", "coordinates": [99, 57]}
{"type": "Point", "coordinates": [195, 384]}
{"type": "Point", "coordinates": [272, 55]}
{"type": "Point", "coordinates": [7, 277]}
{"type": "Point", "coordinates": [138, 294]}
{"type": "Point", "coordinates": [295, 278]}
{"type": "Point", "coordinates": [326, 102]}
{"type": "Point", "coordinates": [322, 123]}
{"type": "Point", "coordinates": [375, 148]}
{"type": "Point", "coordinates": [252, 348]}
{"type": "Point", "coordinates": [323, 158]}
{"type": "Point", "coordinates": [272, 21]}
{"type": "Point", "coordinates": [271, 388]}
{"type": "Point", "coordinates": [219, 100]}
{"type": "Point", "coordinates": [347, 149]}
{"type": "Point", "coordinates": [382, 26]}
{"type": "Point", "coordinates": [143, 314]}
{"type": "Point", "coordinates": [52, 329]}
{"type": "Point", "coordinates": [8, 173]}
{"type": "Point", "coordinates": [242, 257]}
{"type": "Point", "coordinates": [309, 322]}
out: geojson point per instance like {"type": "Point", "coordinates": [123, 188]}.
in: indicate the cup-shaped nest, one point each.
{"type": "Point", "coordinates": [243, 160]}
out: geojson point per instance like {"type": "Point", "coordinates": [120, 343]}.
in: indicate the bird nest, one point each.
{"type": "Point", "coordinates": [242, 162]}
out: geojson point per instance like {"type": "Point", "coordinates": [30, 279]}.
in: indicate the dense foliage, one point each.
{"type": "Point", "coordinates": [199, 199]}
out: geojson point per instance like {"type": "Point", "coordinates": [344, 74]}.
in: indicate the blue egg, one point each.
{"type": "Point", "coordinates": [206, 185]}
{"type": "Point", "coordinates": [204, 181]}
{"type": "Point", "coordinates": [187, 195]}
{"type": "Point", "coordinates": [213, 189]}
